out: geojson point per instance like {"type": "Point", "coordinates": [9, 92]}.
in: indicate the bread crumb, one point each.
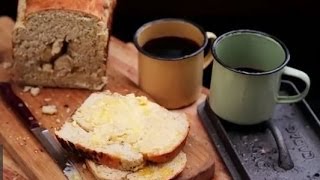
{"type": "Point", "coordinates": [6, 65]}
{"type": "Point", "coordinates": [68, 110]}
{"type": "Point", "coordinates": [47, 99]}
{"type": "Point", "coordinates": [26, 88]}
{"type": "Point", "coordinates": [35, 91]}
{"type": "Point", "coordinates": [58, 120]}
{"type": "Point", "coordinates": [49, 109]}
{"type": "Point", "coordinates": [84, 166]}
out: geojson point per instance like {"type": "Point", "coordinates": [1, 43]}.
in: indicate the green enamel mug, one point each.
{"type": "Point", "coordinates": [246, 75]}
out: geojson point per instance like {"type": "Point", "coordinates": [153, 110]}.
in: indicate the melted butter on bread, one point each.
{"type": "Point", "coordinates": [128, 127]}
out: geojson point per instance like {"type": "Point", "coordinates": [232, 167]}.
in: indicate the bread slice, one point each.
{"type": "Point", "coordinates": [163, 171]}
{"type": "Point", "coordinates": [124, 131]}
{"type": "Point", "coordinates": [62, 43]}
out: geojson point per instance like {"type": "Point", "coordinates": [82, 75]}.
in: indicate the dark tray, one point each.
{"type": "Point", "coordinates": [251, 152]}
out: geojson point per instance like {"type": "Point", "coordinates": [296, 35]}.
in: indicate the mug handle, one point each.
{"type": "Point", "coordinates": [300, 75]}
{"type": "Point", "coordinates": [208, 58]}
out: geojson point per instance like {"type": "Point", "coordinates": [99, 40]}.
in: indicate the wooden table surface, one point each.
{"type": "Point", "coordinates": [126, 56]}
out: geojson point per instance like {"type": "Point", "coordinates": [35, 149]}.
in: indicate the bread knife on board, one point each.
{"type": "Point", "coordinates": [48, 141]}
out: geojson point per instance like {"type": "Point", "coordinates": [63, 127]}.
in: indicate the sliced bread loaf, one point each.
{"type": "Point", "coordinates": [62, 43]}
{"type": "Point", "coordinates": [124, 131]}
{"type": "Point", "coordinates": [151, 171]}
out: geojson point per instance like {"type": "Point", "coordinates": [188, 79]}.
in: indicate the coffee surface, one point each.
{"type": "Point", "coordinates": [170, 47]}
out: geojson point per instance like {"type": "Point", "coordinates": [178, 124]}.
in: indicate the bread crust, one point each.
{"type": "Point", "coordinates": [94, 7]}
{"type": "Point", "coordinates": [102, 158]}
{"type": "Point", "coordinates": [146, 171]}
{"type": "Point", "coordinates": [114, 161]}
{"type": "Point", "coordinates": [170, 154]}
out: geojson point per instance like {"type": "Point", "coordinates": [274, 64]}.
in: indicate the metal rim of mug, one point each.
{"type": "Point", "coordinates": [148, 24]}
{"type": "Point", "coordinates": [254, 32]}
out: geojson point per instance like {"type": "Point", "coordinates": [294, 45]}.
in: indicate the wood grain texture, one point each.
{"type": "Point", "coordinates": [203, 160]}
{"type": "Point", "coordinates": [6, 27]}
{"type": "Point", "coordinates": [11, 168]}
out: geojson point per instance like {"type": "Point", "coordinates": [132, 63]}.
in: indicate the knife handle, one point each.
{"type": "Point", "coordinates": [18, 105]}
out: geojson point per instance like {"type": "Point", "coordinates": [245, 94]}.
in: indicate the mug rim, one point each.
{"type": "Point", "coordinates": [148, 24]}
{"type": "Point", "coordinates": [254, 32]}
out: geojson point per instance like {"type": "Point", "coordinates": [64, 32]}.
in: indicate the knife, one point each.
{"type": "Point", "coordinates": [48, 141]}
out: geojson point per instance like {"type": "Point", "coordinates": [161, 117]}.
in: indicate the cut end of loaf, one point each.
{"type": "Point", "coordinates": [130, 128]}
{"type": "Point", "coordinates": [61, 48]}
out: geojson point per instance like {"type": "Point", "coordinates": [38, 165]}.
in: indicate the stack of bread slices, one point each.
{"type": "Point", "coordinates": [127, 137]}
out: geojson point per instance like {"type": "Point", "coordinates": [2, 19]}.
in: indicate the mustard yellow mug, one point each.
{"type": "Point", "coordinates": [171, 60]}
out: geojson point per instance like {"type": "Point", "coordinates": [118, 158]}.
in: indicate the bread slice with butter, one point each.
{"type": "Point", "coordinates": [124, 131]}
{"type": "Point", "coordinates": [163, 171]}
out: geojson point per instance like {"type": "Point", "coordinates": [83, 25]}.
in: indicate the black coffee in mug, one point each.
{"type": "Point", "coordinates": [170, 47]}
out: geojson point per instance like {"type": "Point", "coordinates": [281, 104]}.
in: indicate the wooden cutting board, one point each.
{"type": "Point", "coordinates": [26, 158]}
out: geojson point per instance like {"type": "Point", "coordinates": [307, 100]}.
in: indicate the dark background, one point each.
{"type": "Point", "coordinates": [295, 22]}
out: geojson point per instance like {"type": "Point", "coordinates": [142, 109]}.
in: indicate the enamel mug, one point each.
{"type": "Point", "coordinates": [172, 82]}
{"type": "Point", "coordinates": [246, 75]}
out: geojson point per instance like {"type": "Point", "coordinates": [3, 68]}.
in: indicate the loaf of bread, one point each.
{"type": "Point", "coordinates": [62, 43]}
{"type": "Point", "coordinates": [124, 131]}
{"type": "Point", "coordinates": [151, 171]}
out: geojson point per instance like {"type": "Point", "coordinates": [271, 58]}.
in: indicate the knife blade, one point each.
{"type": "Point", "coordinates": [47, 140]}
